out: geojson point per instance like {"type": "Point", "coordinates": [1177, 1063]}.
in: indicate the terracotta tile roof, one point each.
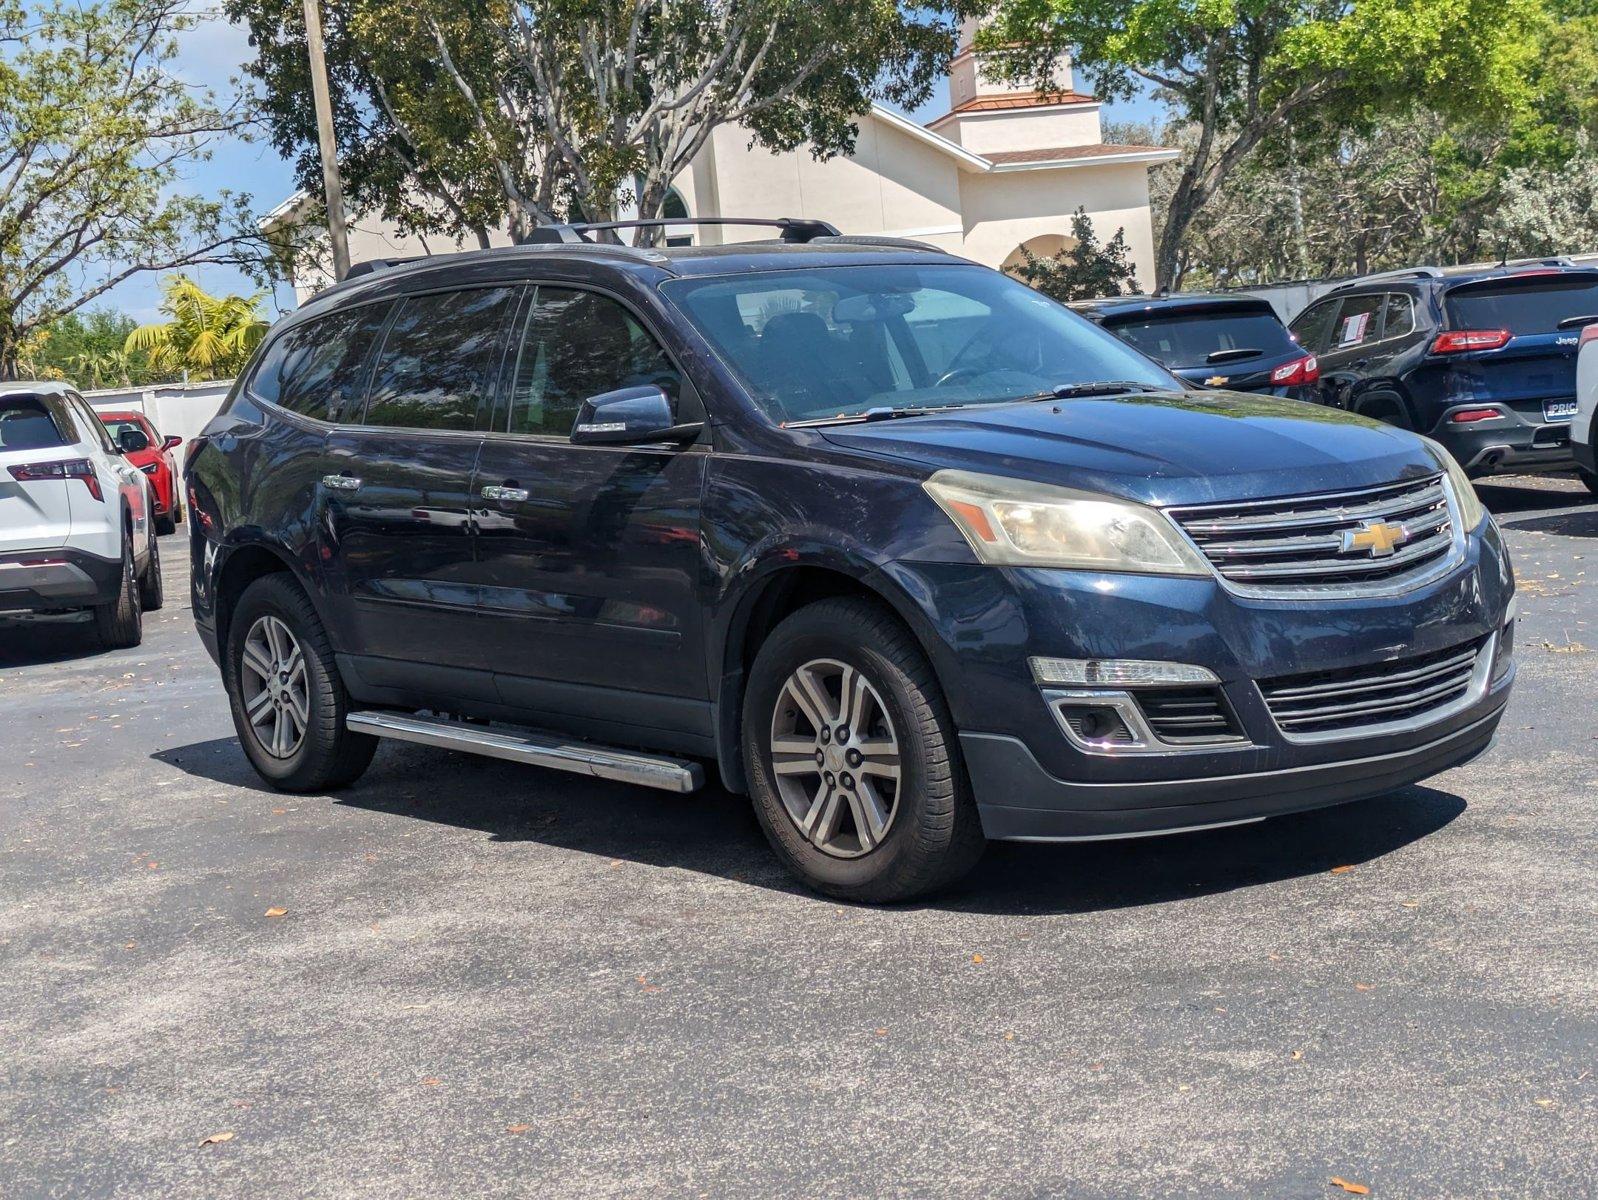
{"type": "Point", "coordinates": [1059, 153]}
{"type": "Point", "coordinates": [1017, 100]}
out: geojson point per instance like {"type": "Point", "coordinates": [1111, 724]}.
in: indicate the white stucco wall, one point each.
{"type": "Point", "coordinates": [1025, 128]}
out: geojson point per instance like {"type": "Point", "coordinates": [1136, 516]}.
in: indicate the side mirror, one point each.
{"type": "Point", "coordinates": [131, 441]}
{"type": "Point", "coordinates": [171, 442]}
{"type": "Point", "coordinates": [634, 414]}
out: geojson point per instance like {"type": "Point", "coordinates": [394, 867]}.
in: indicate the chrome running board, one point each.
{"type": "Point", "coordinates": [536, 749]}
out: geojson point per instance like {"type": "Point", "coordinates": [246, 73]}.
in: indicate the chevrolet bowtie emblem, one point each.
{"type": "Point", "coordinates": [1380, 538]}
{"type": "Point", "coordinates": [1216, 380]}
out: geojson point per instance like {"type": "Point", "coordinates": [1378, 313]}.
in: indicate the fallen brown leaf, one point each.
{"type": "Point", "coordinates": [217, 1137]}
{"type": "Point", "coordinates": [431, 1082]}
{"type": "Point", "coordinates": [1358, 1189]}
{"type": "Point", "coordinates": [277, 912]}
{"type": "Point", "coordinates": [880, 1032]}
{"type": "Point", "coordinates": [1364, 987]}
{"type": "Point", "coordinates": [977, 958]}
{"type": "Point", "coordinates": [1298, 1056]}
{"type": "Point", "coordinates": [1344, 870]}
{"type": "Point", "coordinates": [517, 1128]}
{"type": "Point", "coordinates": [1543, 1103]}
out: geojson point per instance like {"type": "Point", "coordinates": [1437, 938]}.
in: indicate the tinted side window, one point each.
{"type": "Point", "coordinates": [440, 360]}
{"type": "Point", "coordinates": [1398, 317]}
{"type": "Point", "coordinates": [94, 429]}
{"type": "Point", "coordinates": [325, 374]}
{"type": "Point", "coordinates": [1313, 326]}
{"type": "Point", "coordinates": [1357, 323]}
{"type": "Point", "coordinates": [576, 345]}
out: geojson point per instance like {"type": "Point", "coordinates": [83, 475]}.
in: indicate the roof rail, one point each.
{"type": "Point", "coordinates": [371, 266]}
{"type": "Point", "coordinates": [1553, 260]}
{"type": "Point", "coordinates": [794, 229]}
{"type": "Point", "coordinates": [867, 239]}
{"type": "Point", "coordinates": [1401, 273]}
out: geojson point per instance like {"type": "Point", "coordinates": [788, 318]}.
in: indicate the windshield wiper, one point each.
{"type": "Point", "coordinates": [1099, 387]}
{"type": "Point", "coordinates": [872, 414]}
{"type": "Point", "coordinates": [1229, 355]}
{"type": "Point", "coordinates": [1572, 322]}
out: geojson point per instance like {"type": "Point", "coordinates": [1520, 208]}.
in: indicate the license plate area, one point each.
{"type": "Point", "coordinates": [1559, 410]}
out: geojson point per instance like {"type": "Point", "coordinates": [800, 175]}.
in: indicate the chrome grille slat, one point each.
{"type": "Point", "coordinates": [1294, 546]}
{"type": "Point", "coordinates": [1347, 701]}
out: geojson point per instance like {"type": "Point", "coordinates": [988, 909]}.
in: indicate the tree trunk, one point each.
{"type": "Point", "coordinates": [1185, 203]}
{"type": "Point", "coordinates": [10, 353]}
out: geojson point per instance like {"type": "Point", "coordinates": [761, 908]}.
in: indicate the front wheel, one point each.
{"type": "Point", "coordinates": [852, 757]}
{"type": "Point", "coordinates": [1589, 478]}
{"type": "Point", "coordinates": [152, 592]}
{"type": "Point", "coordinates": [288, 701]}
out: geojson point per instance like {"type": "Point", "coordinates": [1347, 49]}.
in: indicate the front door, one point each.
{"type": "Point", "coordinates": [588, 556]}
{"type": "Point", "coordinates": [396, 501]}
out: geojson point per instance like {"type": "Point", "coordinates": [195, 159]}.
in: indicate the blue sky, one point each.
{"type": "Point", "coordinates": [212, 55]}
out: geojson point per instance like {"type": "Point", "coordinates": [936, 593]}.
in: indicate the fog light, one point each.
{"type": "Point", "coordinates": [1116, 672]}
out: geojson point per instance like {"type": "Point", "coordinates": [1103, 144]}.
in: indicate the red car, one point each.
{"type": "Point", "coordinates": [155, 460]}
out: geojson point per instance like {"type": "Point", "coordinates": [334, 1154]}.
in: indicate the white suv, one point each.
{"type": "Point", "coordinates": [75, 516]}
{"type": "Point", "coordinates": [1582, 428]}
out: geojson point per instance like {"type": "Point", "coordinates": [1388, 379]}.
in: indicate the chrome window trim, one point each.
{"type": "Point", "coordinates": [1144, 740]}
{"type": "Point", "coordinates": [1480, 682]}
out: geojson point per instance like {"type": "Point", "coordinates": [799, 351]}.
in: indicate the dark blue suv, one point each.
{"type": "Point", "coordinates": [906, 551]}
{"type": "Point", "coordinates": [1481, 359]}
{"type": "Point", "coordinates": [1212, 340]}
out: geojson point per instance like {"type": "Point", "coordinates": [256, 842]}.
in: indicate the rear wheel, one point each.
{"type": "Point", "coordinates": [1589, 478]}
{"type": "Point", "coordinates": [165, 524]}
{"type": "Point", "coordinates": [118, 623]}
{"type": "Point", "coordinates": [288, 701]}
{"type": "Point", "coordinates": [1386, 408]}
{"type": "Point", "coordinates": [853, 761]}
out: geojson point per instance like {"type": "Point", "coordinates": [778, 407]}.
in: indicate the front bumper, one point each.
{"type": "Point", "coordinates": [56, 578]}
{"type": "Point", "coordinates": [1032, 779]}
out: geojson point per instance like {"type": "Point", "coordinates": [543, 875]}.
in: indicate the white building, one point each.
{"type": "Point", "coordinates": [1004, 168]}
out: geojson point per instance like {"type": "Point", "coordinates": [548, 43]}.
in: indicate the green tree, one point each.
{"type": "Point", "coordinates": [460, 118]}
{"type": "Point", "coordinates": [95, 129]}
{"type": "Point", "coordinates": [211, 336]}
{"type": "Point", "coordinates": [1082, 270]}
{"type": "Point", "coordinates": [1241, 71]}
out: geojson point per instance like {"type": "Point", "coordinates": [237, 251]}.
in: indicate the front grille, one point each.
{"type": "Point", "coordinates": [1188, 715]}
{"type": "Point", "coordinates": [1354, 698]}
{"type": "Point", "coordinates": [1296, 546]}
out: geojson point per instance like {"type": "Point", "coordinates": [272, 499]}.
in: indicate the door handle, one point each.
{"type": "Point", "coordinates": [495, 491]}
{"type": "Point", "coordinates": [341, 483]}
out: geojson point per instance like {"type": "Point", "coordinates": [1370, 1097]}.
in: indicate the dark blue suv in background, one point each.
{"type": "Point", "coordinates": [1482, 359]}
{"type": "Point", "coordinates": [906, 551]}
{"type": "Point", "coordinates": [1219, 341]}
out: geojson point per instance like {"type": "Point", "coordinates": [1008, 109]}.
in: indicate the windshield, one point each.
{"type": "Point", "coordinates": [839, 341]}
{"type": "Point", "coordinates": [1525, 307]}
{"type": "Point", "coordinates": [115, 426]}
{"type": "Point", "coordinates": [1189, 339]}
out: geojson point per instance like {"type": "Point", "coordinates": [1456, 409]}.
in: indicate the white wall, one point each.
{"type": "Point", "coordinates": [181, 409]}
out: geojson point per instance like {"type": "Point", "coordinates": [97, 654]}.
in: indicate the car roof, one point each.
{"type": "Point", "coordinates": [1451, 277]}
{"type": "Point", "coordinates": [1121, 306]}
{"type": "Point", "coordinates": [36, 387]}
{"type": "Point", "coordinates": [120, 415]}
{"type": "Point", "coordinates": [647, 264]}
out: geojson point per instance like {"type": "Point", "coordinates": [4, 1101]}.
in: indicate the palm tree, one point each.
{"type": "Point", "coordinates": [211, 336]}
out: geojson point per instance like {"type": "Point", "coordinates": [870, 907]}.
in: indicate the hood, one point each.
{"type": "Point", "coordinates": [1158, 448]}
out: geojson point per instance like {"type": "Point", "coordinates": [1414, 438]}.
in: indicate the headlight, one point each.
{"type": "Point", "coordinates": [1014, 522]}
{"type": "Point", "coordinates": [1471, 509]}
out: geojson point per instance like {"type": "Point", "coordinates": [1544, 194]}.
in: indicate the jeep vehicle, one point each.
{"type": "Point", "coordinates": [1481, 359]}
{"type": "Point", "coordinates": [1226, 341]}
{"type": "Point", "coordinates": [908, 552]}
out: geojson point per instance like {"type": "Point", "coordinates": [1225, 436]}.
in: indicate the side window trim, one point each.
{"type": "Point", "coordinates": [500, 425]}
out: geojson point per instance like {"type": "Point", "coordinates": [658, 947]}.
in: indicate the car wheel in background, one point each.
{"type": "Point", "coordinates": [151, 594]}
{"type": "Point", "coordinates": [1590, 479]}
{"type": "Point", "coordinates": [165, 524]}
{"type": "Point", "coordinates": [119, 623]}
{"type": "Point", "coordinates": [852, 757]}
{"type": "Point", "coordinates": [287, 699]}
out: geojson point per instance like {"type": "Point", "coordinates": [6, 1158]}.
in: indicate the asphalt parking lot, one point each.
{"type": "Point", "coordinates": [489, 980]}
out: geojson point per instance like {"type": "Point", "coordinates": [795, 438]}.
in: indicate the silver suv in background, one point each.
{"type": "Point", "coordinates": [75, 515]}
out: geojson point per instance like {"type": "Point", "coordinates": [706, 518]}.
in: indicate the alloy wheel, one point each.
{"type": "Point", "coordinates": [835, 758]}
{"type": "Point", "coordinates": [275, 687]}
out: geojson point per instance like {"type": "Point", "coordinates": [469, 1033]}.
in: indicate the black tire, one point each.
{"type": "Point", "coordinates": [329, 755]}
{"type": "Point", "coordinates": [119, 623]}
{"type": "Point", "coordinates": [165, 524]}
{"type": "Point", "coordinates": [151, 589]}
{"type": "Point", "coordinates": [934, 835]}
{"type": "Point", "coordinates": [1589, 478]}
{"type": "Point", "coordinates": [1386, 408]}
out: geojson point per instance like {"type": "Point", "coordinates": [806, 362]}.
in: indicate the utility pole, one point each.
{"type": "Point", "coordinates": [332, 185]}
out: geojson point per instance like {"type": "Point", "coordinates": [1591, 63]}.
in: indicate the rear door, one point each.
{"type": "Point", "coordinates": [35, 509]}
{"type": "Point", "coordinates": [1534, 372]}
{"type": "Point", "coordinates": [395, 500]}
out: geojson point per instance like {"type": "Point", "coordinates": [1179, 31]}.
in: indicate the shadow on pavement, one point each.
{"type": "Point", "coordinates": [1504, 499]}
{"type": "Point", "coordinates": [713, 832]}
{"type": "Point", "coordinates": [1582, 522]}
{"type": "Point", "coordinates": [33, 640]}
